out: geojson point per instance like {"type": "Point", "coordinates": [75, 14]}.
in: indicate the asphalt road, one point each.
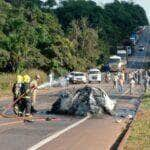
{"type": "Point", "coordinates": [93, 134]}
{"type": "Point", "coordinates": [141, 58]}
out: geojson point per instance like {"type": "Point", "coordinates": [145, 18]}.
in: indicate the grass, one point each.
{"type": "Point", "coordinates": [139, 138]}
{"type": "Point", "coordinates": [7, 80]}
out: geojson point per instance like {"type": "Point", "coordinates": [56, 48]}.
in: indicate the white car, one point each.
{"type": "Point", "coordinates": [78, 77]}
{"type": "Point", "coordinates": [94, 75]}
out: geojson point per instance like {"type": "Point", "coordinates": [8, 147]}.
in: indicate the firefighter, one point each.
{"type": "Point", "coordinates": [26, 98]}
{"type": "Point", "coordinates": [16, 95]}
{"type": "Point", "coordinates": [34, 88]}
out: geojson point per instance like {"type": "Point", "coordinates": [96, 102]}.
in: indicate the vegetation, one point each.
{"type": "Point", "coordinates": [140, 133]}
{"type": "Point", "coordinates": [8, 79]}
{"type": "Point", "coordinates": [114, 22]}
{"type": "Point", "coordinates": [75, 36]}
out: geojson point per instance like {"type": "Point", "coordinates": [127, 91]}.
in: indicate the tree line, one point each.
{"type": "Point", "coordinates": [76, 35]}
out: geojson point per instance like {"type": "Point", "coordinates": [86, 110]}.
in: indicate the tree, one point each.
{"type": "Point", "coordinates": [74, 36]}
{"type": "Point", "coordinates": [85, 40]}
{"type": "Point", "coordinates": [115, 21]}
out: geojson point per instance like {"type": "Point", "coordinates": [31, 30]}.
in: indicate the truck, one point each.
{"type": "Point", "coordinates": [123, 55]}
{"type": "Point", "coordinates": [134, 38]}
{"type": "Point", "coordinates": [115, 63]}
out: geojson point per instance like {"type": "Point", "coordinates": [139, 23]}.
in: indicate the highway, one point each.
{"type": "Point", "coordinates": [90, 134]}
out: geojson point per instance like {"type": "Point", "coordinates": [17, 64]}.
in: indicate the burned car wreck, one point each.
{"type": "Point", "coordinates": [87, 100]}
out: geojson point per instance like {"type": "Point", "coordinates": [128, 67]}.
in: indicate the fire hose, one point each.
{"type": "Point", "coordinates": [13, 104]}
{"type": "Point", "coordinates": [4, 115]}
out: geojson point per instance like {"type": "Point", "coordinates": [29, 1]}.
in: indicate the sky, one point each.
{"type": "Point", "coordinates": [144, 3]}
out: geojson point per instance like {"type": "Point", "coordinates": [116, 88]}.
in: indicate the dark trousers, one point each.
{"type": "Point", "coordinates": [26, 105]}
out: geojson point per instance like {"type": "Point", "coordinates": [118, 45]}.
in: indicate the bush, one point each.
{"type": "Point", "coordinates": [4, 58]}
{"type": "Point", "coordinates": [8, 79]}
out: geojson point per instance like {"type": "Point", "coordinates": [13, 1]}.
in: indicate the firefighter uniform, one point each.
{"type": "Point", "coordinates": [16, 94]}
{"type": "Point", "coordinates": [26, 92]}
{"type": "Point", "coordinates": [34, 88]}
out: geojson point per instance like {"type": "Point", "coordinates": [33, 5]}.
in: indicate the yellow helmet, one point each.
{"type": "Point", "coordinates": [26, 78]}
{"type": "Point", "coordinates": [19, 79]}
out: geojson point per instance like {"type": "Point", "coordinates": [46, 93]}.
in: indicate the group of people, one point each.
{"type": "Point", "coordinates": [119, 81]}
{"type": "Point", "coordinates": [140, 77]}
{"type": "Point", "coordinates": [24, 92]}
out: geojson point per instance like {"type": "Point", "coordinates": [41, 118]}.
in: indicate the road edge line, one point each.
{"type": "Point", "coordinates": [57, 134]}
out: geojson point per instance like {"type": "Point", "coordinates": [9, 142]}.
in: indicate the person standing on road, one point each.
{"type": "Point", "coordinates": [107, 77]}
{"type": "Point", "coordinates": [16, 87]}
{"type": "Point", "coordinates": [132, 83]}
{"type": "Point", "coordinates": [115, 81]}
{"type": "Point", "coordinates": [123, 76]}
{"type": "Point", "coordinates": [136, 76]}
{"type": "Point", "coordinates": [146, 83]}
{"type": "Point", "coordinates": [126, 76]}
{"type": "Point", "coordinates": [130, 76]}
{"type": "Point", "coordinates": [26, 95]}
{"type": "Point", "coordinates": [120, 84]}
{"type": "Point", "coordinates": [16, 95]}
{"type": "Point", "coordinates": [34, 87]}
{"type": "Point", "coordinates": [140, 77]}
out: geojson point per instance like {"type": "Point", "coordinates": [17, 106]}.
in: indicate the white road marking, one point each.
{"type": "Point", "coordinates": [57, 134]}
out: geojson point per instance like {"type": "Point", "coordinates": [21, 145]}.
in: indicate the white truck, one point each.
{"type": "Point", "coordinates": [123, 55]}
{"type": "Point", "coordinates": [115, 63]}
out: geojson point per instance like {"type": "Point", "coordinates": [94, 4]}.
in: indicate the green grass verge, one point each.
{"type": "Point", "coordinates": [7, 80]}
{"type": "Point", "coordinates": [139, 138]}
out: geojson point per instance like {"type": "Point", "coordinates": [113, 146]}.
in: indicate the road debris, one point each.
{"type": "Point", "coordinates": [118, 120]}
{"type": "Point", "coordinates": [85, 100]}
{"type": "Point", "coordinates": [129, 117]}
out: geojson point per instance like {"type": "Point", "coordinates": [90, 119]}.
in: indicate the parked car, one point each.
{"type": "Point", "coordinates": [78, 77]}
{"type": "Point", "coordinates": [94, 75]}
{"type": "Point", "coordinates": [141, 48]}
